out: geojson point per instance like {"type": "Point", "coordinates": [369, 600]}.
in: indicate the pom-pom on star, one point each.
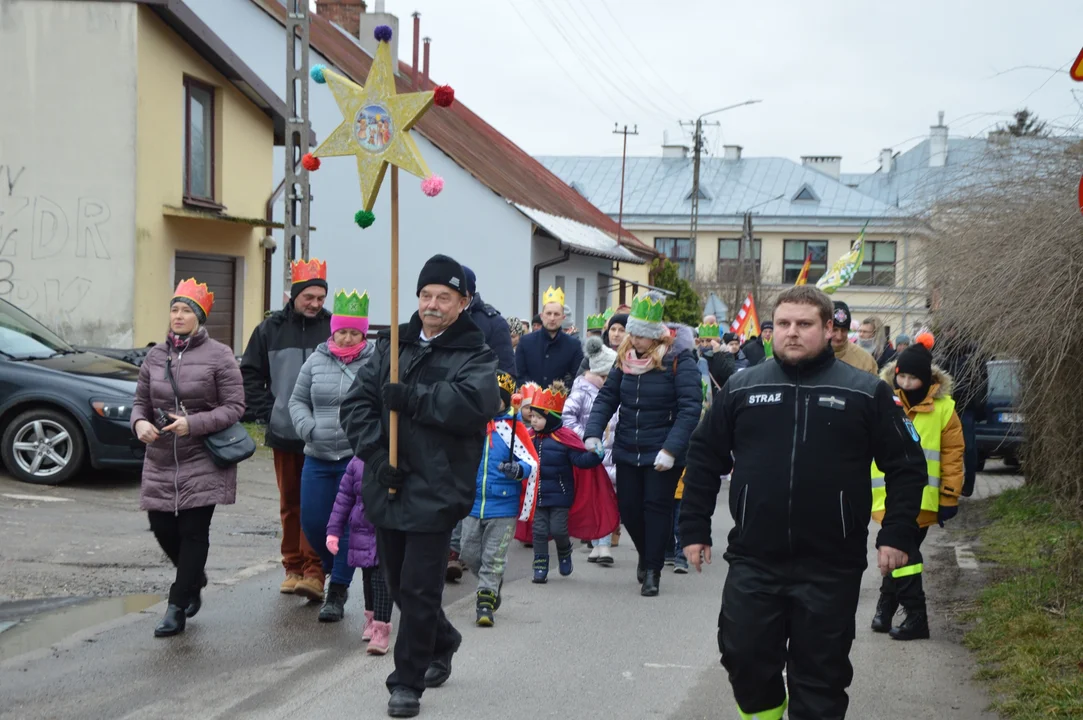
{"type": "Point", "coordinates": [316, 73]}
{"type": "Point", "coordinates": [364, 218]}
{"type": "Point", "coordinates": [310, 162]}
{"type": "Point", "coordinates": [382, 33]}
{"type": "Point", "coordinates": [444, 95]}
{"type": "Point", "coordinates": [432, 185]}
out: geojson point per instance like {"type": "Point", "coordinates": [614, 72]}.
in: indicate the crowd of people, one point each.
{"type": "Point", "coordinates": [513, 431]}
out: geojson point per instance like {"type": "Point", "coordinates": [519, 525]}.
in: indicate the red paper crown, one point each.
{"type": "Point", "coordinates": [306, 271]}
{"type": "Point", "coordinates": [197, 293]}
{"type": "Point", "coordinates": [551, 399]}
{"type": "Point", "coordinates": [528, 391]}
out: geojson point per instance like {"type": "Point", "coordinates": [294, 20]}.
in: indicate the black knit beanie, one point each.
{"type": "Point", "coordinates": [200, 315]}
{"type": "Point", "coordinates": [442, 270]}
{"type": "Point", "coordinates": [916, 360]}
{"type": "Point", "coordinates": [299, 287]}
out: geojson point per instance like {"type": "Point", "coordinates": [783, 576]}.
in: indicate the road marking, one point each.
{"type": "Point", "coordinates": [667, 666]}
{"type": "Point", "coordinates": [965, 558]}
{"type": "Point", "coordinates": [627, 674]}
{"type": "Point", "coordinates": [250, 571]}
{"type": "Point", "coordinates": [36, 498]}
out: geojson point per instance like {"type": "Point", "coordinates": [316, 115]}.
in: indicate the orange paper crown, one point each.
{"type": "Point", "coordinates": [551, 399]}
{"type": "Point", "coordinates": [197, 293]}
{"type": "Point", "coordinates": [528, 391]}
{"type": "Point", "coordinates": [306, 271]}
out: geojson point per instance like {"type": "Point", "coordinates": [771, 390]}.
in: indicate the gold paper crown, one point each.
{"type": "Point", "coordinates": [551, 399]}
{"type": "Point", "coordinates": [197, 293]}
{"type": "Point", "coordinates": [505, 381]}
{"type": "Point", "coordinates": [306, 271]}
{"type": "Point", "coordinates": [553, 295]}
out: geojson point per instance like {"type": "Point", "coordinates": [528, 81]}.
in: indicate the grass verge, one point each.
{"type": "Point", "coordinates": [1027, 629]}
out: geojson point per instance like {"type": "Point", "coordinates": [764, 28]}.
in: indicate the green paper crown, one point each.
{"type": "Point", "coordinates": [609, 312]}
{"type": "Point", "coordinates": [352, 305]}
{"type": "Point", "coordinates": [595, 322]}
{"type": "Point", "coordinates": [647, 308]}
{"type": "Point", "coordinates": [712, 331]}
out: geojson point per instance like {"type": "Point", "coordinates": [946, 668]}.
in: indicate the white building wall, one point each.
{"type": "Point", "coordinates": [67, 165]}
{"type": "Point", "coordinates": [466, 221]}
{"type": "Point", "coordinates": [577, 276]}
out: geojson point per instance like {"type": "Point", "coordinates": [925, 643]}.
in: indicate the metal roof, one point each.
{"type": "Point", "coordinates": [658, 190]}
{"type": "Point", "coordinates": [580, 238]}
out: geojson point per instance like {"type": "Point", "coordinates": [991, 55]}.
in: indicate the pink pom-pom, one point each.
{"type": "Point", "coordinates": [432, 185]}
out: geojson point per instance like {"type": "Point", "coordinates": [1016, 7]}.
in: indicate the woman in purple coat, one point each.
{"type": "Point", "coordinates": [181, 484]}
{"type": "Point", "coordinates": [350, 508]}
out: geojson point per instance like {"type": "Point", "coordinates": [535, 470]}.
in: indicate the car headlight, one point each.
{"type": "Point", "coordinates": [113, 409]}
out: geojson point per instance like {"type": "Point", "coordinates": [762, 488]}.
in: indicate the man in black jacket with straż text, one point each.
{"type": "Point", "coordinates": [800, 433]}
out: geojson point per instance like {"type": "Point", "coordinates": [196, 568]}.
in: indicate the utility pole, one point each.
{"type": "Point", "coordinates": [746, 237]}
{"type": "Point", "coordinates": [623, 160]}
{"type": "Point", "coordinates": [298, 198]}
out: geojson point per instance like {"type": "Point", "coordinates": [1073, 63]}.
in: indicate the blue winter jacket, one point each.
{"type": "Point", "coordinates": [557, 480]}
{"type": "Point", "coordinates": [543, 359]}
{"type": "Point", "coordinates": [497, 496]}
{"type": "Point", "coordinates": [658, 409]}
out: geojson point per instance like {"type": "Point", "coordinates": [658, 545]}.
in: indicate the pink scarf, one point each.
{"type": "Point", "coordinates": [635, 365]}
{"type": "Point", "coordinates": [346, 355]}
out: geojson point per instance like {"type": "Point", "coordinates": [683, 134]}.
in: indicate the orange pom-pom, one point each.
{"type": "Point", "coordinates": [310, 162]}
{"type": "Point", "coordinates": [925, 339]}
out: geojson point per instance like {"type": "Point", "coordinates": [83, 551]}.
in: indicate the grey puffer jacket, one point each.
{"type": "Point", "coordinates": [321, 385]}
{"type": "Point", "coordinates": [178, 473]}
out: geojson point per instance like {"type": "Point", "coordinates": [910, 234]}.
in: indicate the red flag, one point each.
{"type": "Point", "coordinates": [747, 323]}
{"type": "Point", "coordinates": [802, 278]}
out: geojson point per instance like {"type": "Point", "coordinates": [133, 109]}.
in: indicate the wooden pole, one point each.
{"type": "Point", "coordinates": [393, 429]}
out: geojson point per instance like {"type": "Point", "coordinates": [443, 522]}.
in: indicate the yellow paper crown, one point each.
{"type": "Point", "coordinates": [506, 382]}
{"type": "Point", "coordinates": [553, 295]}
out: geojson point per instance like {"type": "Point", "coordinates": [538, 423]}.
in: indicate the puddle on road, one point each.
{"type": "Point", "coordinates": [44, 629]}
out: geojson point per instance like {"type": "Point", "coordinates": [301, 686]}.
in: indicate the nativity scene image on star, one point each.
{"type": "Point", "coordinates": [373, 127]}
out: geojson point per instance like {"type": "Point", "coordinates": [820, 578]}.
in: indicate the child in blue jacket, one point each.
{"type": "Point", "coordinates": [498, 502]}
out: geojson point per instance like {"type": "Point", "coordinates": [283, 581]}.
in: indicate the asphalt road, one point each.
{"type": "Point", "coordinates": [579, 647]}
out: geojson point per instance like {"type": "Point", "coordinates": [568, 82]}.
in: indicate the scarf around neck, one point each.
{"type": "Point", "coordinates": [635, 365]}
{"type": "Point", "coordinates": [346, 355]}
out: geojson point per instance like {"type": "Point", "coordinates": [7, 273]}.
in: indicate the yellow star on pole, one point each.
{"type": "Point", "coordinates": [376, 125]}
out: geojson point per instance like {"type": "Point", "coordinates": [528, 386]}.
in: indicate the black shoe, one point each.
{"type": "Point", "coordinates": [197, 599]}
{"type": "Point", "coordinates": [886, 607]}
{"type": "Point", "coordinates": [641, 573]}
{"type": "Point", "coordinates": [440, 668]}
{"type": "Point", "coordinates": [172, 623]}
{"type": "Point", "coordinates": [650, 583]}
{"type": "Point", "coordinates": [334, 604]}
{"type": "Point", "coordinates": [486, 606]}
{"type": "Point", "coordinates": [404, 702]}
{"type": "Point", "coordinates": [914, 627]}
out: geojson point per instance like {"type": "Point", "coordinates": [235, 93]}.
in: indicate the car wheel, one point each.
{"type": "Point", "coordinates": [43, 447]}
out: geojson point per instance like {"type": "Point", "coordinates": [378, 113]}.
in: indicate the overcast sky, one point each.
{"type": "Point", "coordinates": [842, 77]}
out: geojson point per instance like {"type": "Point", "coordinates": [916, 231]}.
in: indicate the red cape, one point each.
{"type": "Point", "coordinates": [594, 512]}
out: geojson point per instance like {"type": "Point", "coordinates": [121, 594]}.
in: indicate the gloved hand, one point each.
{"type": "Point", "coordinates": [663, 461]}
{"type": "Point", "coordinates": [389, 477]}
{"type": "Point", "coordinates": [511, 470]}
{"type": "Point", "coordinates": [399, 397]}
{"type": "Point", "coordinates": [947, 512]}
{"type": "Point", "coordinates": [595, 446]}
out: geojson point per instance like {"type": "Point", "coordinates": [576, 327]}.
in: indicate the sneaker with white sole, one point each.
{"type": "Point", "coordinates": [605, 557]}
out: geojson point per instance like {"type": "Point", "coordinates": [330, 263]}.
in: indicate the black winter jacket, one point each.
{"type": "Point", "coordinates": [800, 441]}
{"type": "Point", "coordinates": [496, 331]}
{"type": "Point", "coordinates": [658, 409]}
{"type": "Point", "coordinates": [276, 351]}
{"type": "Point", "coordinates": [453, 393]}
{"type": "Point", "coordinates": [755, 351]}
{"type": "Point", "coordinates": [543, 359]}
{"type": "Point", "coordinates": [721, 364]}
{"type": "Point", "coordinates": [557, 476]}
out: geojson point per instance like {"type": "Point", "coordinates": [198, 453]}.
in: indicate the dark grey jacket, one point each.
{"type": "Point", "coordinates": [453, 395]}
{"type": "Point", "coordinates": [276, 351]}
{"type": "Point", "coordinates": [321, 385]}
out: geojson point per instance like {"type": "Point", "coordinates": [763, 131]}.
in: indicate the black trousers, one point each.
{"type": "Point", "coordinates": [186, 539]}
{"type": "Point", "coordinates": [794, 617]}
{"type": "Point", "coordinates": [414, 565]}
{"type": "Point", "coordinates": [377, 597]}
{"type": "Point", "coordinates": [645, 500]}
{"type": "Point", "coordinates": [909, 589]}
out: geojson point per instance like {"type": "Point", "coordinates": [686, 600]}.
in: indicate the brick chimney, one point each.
{"type": "Point", "coordinates": [344, 13]}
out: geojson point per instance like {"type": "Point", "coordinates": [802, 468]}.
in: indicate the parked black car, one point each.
{"type": "Point", "coordinates": [1000, 434]}
{"type": "Point", "coordinates": [61, 408]}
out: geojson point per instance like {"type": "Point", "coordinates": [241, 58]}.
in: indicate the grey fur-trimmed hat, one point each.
{"type": "Point", "coordinates": [645, 320]}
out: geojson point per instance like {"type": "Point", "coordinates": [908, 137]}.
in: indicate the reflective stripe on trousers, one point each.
{"type": "Point", "coordinates": [774, 714]}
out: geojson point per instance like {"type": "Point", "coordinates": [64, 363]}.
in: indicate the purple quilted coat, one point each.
{"type": "Point", "coordinates": [349, 507]}
{"type": "Point", "coordinates": [178, 473]}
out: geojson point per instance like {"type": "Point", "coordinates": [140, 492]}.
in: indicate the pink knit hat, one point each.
{"type": "Point", "coordinates": [351, 311]}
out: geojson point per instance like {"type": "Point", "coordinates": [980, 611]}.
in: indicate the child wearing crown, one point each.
{"type": "Point", "coordinates": [560, 452]}
{"type": "Point", "coordinates": [507, 489]}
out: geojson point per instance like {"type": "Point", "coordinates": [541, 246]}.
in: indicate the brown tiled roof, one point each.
{"type": "Point", "coordinates": [472, 143]}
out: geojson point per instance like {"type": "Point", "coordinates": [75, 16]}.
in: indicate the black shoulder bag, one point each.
{"type": "Point", "coordinates": [226, 447]}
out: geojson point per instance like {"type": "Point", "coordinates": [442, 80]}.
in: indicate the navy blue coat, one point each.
{"type": "Point", "coordinates": [658, 409]}
{"type": "Point", "coordinates": [543, 359]}
{"type": "Point", "coordinates": [557, 480]}
{"type": "Point", "coordinates": [497, 333]}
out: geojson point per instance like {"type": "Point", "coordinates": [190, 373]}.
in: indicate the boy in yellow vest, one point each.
{"type": "Point", "coordinates": [924, 392]}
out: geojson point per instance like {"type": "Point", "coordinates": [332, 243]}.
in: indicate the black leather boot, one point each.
{"type": "Point", "coordinates": [172, 623]}
{"type": "Point", "coordinates": [914, 627]}
{"type": "Point", "coordinates": [641, 572]}
{"type": "Point", "coordinates": [440, 668]}
{"type": "Point", "coordinates": [197, 599]}
{"type": "Point", "coordinates": [333, 608]}
{"type": "Point", "coordinates": [650, 583]}
{"type": "Point", "coordinates": [886, 607]}
{"type": "Point", "coordinates": [404, 702]}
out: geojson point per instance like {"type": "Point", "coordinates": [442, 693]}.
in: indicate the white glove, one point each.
{"type": "Point", "coordinates": [663, 461]}
{"type": "Point", "coordinates": [595, 446]}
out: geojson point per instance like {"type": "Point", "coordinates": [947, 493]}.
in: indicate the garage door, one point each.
{"type": "Point", "coordinates": [220, 275]}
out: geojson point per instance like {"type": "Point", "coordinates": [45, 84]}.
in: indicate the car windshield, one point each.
{"type": "Point", "coordinates": [1003, 382]}
{"type": "Point", "coordinates": [24, 338]}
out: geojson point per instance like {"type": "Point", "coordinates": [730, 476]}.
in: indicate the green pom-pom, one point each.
{"type": "Point", "coordinates": [364, 218]}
